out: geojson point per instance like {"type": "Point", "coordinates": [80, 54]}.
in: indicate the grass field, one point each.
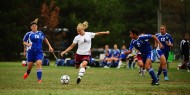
{"type": "Point", "coordinates": [96, 81]}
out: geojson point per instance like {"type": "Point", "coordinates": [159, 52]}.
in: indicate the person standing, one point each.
{"type": "Point", "coordinates": [83, 39]}
{"type": "Point", "coordinates": [33, 41]}
{"type": "Point", "coordinates": [184, 48]}
{"type": "Point", "coordinates": [141, 44]}
{"type": "Point", "coordinates": [163, 53]}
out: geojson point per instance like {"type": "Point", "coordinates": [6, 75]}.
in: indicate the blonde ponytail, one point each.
{"type": "Point", "coordinates": [85, 23]}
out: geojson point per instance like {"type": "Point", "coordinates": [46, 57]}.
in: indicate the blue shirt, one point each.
{"type": "Point", "coordinates": [163, 39]}
{"type": "Point", "coordinates": [116, 53]}
{"type": "Point", "coordinates": [122, 55]}
{"type": "Point", "coordinates": [141, 44]}
{"type": "Point", "coordinates": [109, 53]}
{"type": "Point", "coordinates": [35, 38]}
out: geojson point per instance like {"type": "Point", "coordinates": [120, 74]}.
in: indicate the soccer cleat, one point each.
{"type": "Point", "coordinates": [25, 75]}
{"type": "Point", "coordinates": [78, 80]}
{"type": "Point", "coordinates": [153, 83]}
{"type": "Point", "coordinates": [166, 78]}
{"type": "Point", "coordinates": [40, 81]}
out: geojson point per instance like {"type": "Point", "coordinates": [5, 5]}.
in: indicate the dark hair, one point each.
{"type": "Point", "coordinates": [33, 23]}
{"type": "Point", "coordinates": [135, 31]}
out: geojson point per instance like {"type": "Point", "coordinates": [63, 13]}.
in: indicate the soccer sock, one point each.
{"type": "Point", "coordinates": [28, 71]}
{"type": "Point", "coordinates": [159, 72]}
{"type": "Point", "coordinates": [108, 64]}
{"type": "Point", "coordinates": [152, 74]}
{"type": "Point", "coordinates": [119, 65]}
{"type": "Point", "coordinates": [39, 74]}
{"type": "Point", "coordinates": [81, 72]}
{"type": "Point", "coordinates": [129, 64]}
{"type": "Point", "coordinates": [165, 72]}
{"type": "Point", "coordinates": [134, 64]}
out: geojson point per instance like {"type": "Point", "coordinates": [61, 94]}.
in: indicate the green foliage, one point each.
{"type": "Point", "coordinates": [96, 81]}
{"type": "Point", "coordinates": [117, 16]}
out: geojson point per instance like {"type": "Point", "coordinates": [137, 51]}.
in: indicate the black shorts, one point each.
{"type": "Point", "coordinates": [186, 57]}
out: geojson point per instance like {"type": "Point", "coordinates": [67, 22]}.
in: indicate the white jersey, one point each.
{"type": "Point", "coordinates": [84, 43]}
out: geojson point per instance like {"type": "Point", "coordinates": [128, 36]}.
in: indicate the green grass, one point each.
{"type": "Point", "coordinates": [96, 81]}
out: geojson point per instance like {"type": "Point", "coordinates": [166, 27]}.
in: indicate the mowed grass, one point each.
{"type": "Point", "coordinates": [96, 81]}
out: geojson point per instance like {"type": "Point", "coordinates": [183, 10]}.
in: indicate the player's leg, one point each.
{"type": "Point", "coordinates": [39, 58]}
{"type": "Point", "coordinates": [26, 74]}
{"type": "Point", "coordinates": [140, 64]}
{"type": "Point", "coordinates": [82, 70]}
{"type": "Point", "coordinates": [39, 70]}
{"type": "Point", "coordinates": [164, 67]}
{"type": "Point", "coordinates": [30, 59]}
{"type": "Point", "coordinates": [120, 62]}
{"type": "Point", "coordinates": [85, 61]}
{"type": "Point", "coordinates": [151, 71]}
{"type": "Point", "coordinates": [160, 56]}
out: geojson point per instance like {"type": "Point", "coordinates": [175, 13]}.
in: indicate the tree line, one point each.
{"type": "Point", "coordinates": [118, 16]}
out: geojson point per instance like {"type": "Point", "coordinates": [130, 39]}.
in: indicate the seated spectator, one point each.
{"type": "Point", "coordinates": [108, 54]}
{"type": "Point", "coordinates": [115, 56]}
{"type": "Point", "coordinates": [123, 56]}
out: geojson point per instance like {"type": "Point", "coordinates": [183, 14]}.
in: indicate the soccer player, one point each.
{"type": "Point", "coordinates": [141, 44]}
{"type": "Point", "coordinates": [34, 49]}
{"type": "Point", "coordinates": [83, 39]}
{"type": "Point", "coordinates": [184, 48]}
{"type": "Point", "coordinates": [138, 59]}
{"type": "Point", "coordinates": [115, 56]}
{"type": "Point", "coordinates": [108, 54]}
{"type": "Point", "coordinates": [167, 41]}
{"type": "Point", "coordinates": [123, 56]}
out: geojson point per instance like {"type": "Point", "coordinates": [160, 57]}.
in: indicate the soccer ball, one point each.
{"type": "Point", "coordinates": [65, 79]}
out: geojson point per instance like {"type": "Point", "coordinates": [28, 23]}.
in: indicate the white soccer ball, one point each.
{"type": "Point", "coordinates": [65, 79]}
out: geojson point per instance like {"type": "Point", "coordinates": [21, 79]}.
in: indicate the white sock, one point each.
{"type": "Point", "coordinates": [119, 65]}
{"type": "Point", "coordinates": [81, 72]}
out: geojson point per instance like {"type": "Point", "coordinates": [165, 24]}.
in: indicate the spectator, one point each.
{"type": "Point", "coordinates": [184, 48]}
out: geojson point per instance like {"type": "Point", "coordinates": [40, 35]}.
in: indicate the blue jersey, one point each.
{"type": "Point", "coordinates": [109, 53]}
{"type": "Point", "coordinates": [123, 55]}
{"type": "Point", "coordinates": [141, 44]}
{"type": "Point", "coordinates": [116, 53]}
{"type": "Point", "coordinates": [163, 39]}
{"type": "Point", "coordinates": [35, 38]}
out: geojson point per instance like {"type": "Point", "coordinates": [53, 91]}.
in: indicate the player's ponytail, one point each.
{"type": "Point", "coordinates": [34, 22]}
{"type": "Point", "coordinates": [85, 23]}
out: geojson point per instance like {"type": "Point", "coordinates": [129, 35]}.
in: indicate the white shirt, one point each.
{"type": "Point", "coordinates": [84, 43]}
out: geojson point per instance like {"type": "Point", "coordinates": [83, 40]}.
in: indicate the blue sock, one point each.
{"type": "Point", "coordinates": [159, 71]}
{"type": "Point", "coordinates": [152, 74]}
{"type": "Point", "coordinates": [165, 72]}
{"type": "Point", "coordinates": [129, 64]}
{"type": "Point", "coordinates": [39, 74]}
{"type": "Point", "coordinates": [108, 64]}
{"type": "Point", "coordinates": [28, 71]}
{"type": "Point", "coordinates": [134, 64]}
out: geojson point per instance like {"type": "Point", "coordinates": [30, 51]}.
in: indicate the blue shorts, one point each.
{"type": "Point", "coordinates": [34, 54]}
{"type": "Point", "coordinates": [149, 55]}
{"type": "Point", "coordinates": [159, 53]}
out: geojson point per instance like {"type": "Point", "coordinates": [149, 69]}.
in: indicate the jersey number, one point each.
{"type": "Point", "coordinates": [37, 36]}
{"type": "Point", "coordinates": [162, 39]}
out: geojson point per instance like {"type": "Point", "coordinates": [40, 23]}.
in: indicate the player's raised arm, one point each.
{"type": "Point", "coordinates": [68, 49]}
{"type": "Point", "coordinates": [102, 33]}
